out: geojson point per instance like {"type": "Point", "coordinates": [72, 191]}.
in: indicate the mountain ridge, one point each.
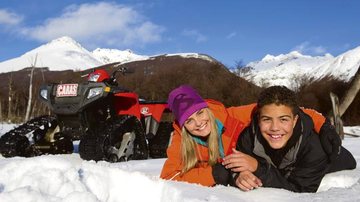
{"type": "Point", "coordinates": [285, 69]}
{"type": "Point", "coordinates": [65, 53]}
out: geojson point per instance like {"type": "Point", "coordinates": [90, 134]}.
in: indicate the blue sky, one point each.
{"type": "Point", "coordinates": [229, 31]}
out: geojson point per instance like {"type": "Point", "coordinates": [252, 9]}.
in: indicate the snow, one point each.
{"type": "Point", "coordinates": [193, 55]}
{"type": "Point", "coordinates": [60, 54]}
{"type": "Point", "coordinates": [343, 67]}
{"type": "Point", "coordinates": [113, 55]}
{"type": "Point", "coordinates": [282, 69]}
{"type": "Point", "coordinates": [65, 53]}
{"type": "Point", "coordinates": [69, 178]}
{"type": "Point", "coordinates": [289, 69]}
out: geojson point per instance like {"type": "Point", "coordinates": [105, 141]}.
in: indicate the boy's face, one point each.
{"type": "Point", "coordinates": [198, 123]}
{"type": "Point", "coordinates": [276, 123]}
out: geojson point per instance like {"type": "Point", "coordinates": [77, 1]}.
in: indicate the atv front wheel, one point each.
{"type": "Point", "coordinates": [121, 139]}
{"type": "Point", "coordinates": [127, 139]}
{"type": "Point", "coordinates": [91, 146]}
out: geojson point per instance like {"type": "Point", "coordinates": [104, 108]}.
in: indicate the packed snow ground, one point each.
{"type": "Point", "coordinates": [69, 178]}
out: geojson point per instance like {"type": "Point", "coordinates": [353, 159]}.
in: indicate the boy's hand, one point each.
{"type": "Point", "coordinates": [247, 181]}
{"type": "Point", "coordinates": [238, 162]}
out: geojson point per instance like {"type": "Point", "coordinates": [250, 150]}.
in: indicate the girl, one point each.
{"type": "Point", "coordinates": [203, 134]}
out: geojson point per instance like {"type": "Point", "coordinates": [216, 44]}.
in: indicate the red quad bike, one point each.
{"type": "Point", "coordinates": [110, 122]}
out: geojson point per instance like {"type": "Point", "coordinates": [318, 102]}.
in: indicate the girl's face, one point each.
{"type": "Point", "coordinates": [198, 123]}
{"type": "Point", "coordinates": [276, 123]}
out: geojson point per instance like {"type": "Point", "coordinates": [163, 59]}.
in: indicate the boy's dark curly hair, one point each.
{"type": "Point", "coordinates": [279, 95]}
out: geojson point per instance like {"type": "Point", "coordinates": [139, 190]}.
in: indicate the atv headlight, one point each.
{"type": "Point", "coordinates": [43, 93]}
{"type": "Point", "coordinates": [94, 92]}
{"type": "Point", "coordinates": [93, 77]}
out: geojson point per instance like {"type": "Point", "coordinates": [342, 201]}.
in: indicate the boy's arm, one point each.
{"type": "Point", "coordinates": [304, 179]}
{"type": "Point", "coordinates": [304, 176]}
{"type": "Point", "coordinates": [330, 139]}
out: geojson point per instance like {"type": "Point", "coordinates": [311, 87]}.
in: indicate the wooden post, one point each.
{"type": "Point", "coordinates": [336, 115]}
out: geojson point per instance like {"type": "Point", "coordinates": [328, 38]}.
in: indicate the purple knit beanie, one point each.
{"type": "Point", "coordinates": [183, 102]}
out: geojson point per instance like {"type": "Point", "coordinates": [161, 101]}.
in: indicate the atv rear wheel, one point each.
{"type": "Point", "coordinates": [14, 145]}
{"type": "Point", "coordinates": [160, 142]}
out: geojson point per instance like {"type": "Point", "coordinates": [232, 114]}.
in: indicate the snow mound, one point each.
{"type": "Point", "coordinates": [69, 178]}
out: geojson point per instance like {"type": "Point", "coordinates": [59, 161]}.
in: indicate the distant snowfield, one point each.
{"type": "Point", "coordinates": [69, 178]}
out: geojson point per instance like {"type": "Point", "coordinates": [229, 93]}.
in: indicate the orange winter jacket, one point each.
{"type": "Point", "coordinates": [234, 120]}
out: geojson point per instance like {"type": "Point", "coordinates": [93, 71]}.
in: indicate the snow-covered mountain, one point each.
{"type": "Point", "coordinates": [292, 68]}
{"type": "Point", "coordinates": [113, 55]}
{"type": "Point", "coordinates": [343, 67]}
{"type": "Point", "coordinates": [285, 69]}
{"type": "Point", "coordinates": [59, 54]}
{"type": "Point", "coordinates": [65, 53]}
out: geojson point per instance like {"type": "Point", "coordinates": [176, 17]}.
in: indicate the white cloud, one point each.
{"type": "Point", "coordinates": [103, 23]}
{"type": "Point", "coordinates": [195, 34]}
{"type": "Point", "coordinates": [9, 18]}
{"type": "Point", "coordinates": [307, 48]}
{"type": "Point", "coordinates": [231, 35]}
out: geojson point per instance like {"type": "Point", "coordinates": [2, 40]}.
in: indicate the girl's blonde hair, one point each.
{"type": "Point", "coordinates": [188, 146]}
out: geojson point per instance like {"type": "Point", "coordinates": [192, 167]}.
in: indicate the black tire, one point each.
{"type": "Point", "coordinates": [62, 146]}
{"type": "Point", "coordinates": [129, 124]}
{"type": "Point", "coordinates": [159, 143]}
{"type": "Point", "coordinates": [14, 145]}
{"type": "Point", "coordinates": [122, 159]}
{"type": "Point", "coordinates": [91, 147]}
{"type": "Point", "coordinates": [97, 146]}
{"type": "Point", "coordinates": [113, 158]}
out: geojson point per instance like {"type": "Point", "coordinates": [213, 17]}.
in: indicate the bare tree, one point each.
{"type": "Point", "coordinates": [264, 83]}
{"type": "Point", "coordinates": [10, 95]}
{"type": "Point", "coordinates": [350, 94]}
{"type": "Point", "coordinates": [238, 65]}
{"type": "Point", "coordinates": [299, 82]}
{"type": "Point", "coordinates": [1, 117]}
{"type": "Point", "coordinates": [28, 108]}
{"type": "Point", "coordinates": [242, 70]}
